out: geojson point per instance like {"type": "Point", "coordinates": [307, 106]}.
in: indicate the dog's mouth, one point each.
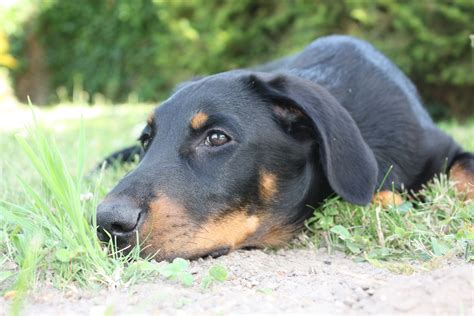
{"type": "Point", "coordinates": [124, 243]}
{"type": "Point", "coordinates": [125, 247]}
{"type": "Point", "coordinates": [215, 253]}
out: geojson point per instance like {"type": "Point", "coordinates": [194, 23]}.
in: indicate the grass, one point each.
{"type": "Point", "coordinates": [47, 215]}
{"type": "Point", "coordinates": [434, 224]}
{"type": "Point", "coordinates": [52, 231]}
{"type": "Point", "coordinates": [48, 204]}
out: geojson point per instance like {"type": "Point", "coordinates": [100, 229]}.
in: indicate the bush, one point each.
{"type": "Point", "coordinates": [145, 47]}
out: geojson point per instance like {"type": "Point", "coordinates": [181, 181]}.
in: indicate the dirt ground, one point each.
{"type": "Point", "coordinates": [286, 281]}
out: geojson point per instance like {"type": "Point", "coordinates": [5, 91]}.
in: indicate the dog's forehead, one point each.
{"type": "Point", "coordinates": [206, 97]}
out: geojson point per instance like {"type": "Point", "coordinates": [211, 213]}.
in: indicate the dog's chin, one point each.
{"type": "Point", "coordinates": [159, 255]}
{"type": "Point", "coordinates": [151, 252]}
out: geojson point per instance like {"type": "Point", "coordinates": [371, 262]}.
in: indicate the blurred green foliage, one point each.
{"type": "Point", "coordinates": [144, 47]}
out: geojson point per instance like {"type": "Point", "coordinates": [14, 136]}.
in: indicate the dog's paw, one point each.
{"type": "Point", "coordinates": [387, 199]}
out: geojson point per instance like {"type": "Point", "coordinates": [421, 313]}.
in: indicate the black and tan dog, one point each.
{"type": "Point", "coordinates": [233, 160]}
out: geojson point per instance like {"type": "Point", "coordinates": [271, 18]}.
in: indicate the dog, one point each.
{"type": "Point", "coordinates": [233, 160]}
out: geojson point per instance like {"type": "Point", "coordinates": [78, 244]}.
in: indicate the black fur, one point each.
{"type": "Point", "coordinates": [125, 155]}
{"type": "Point", "coordinates": [465, 160]}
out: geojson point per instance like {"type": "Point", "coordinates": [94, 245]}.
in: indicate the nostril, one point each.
{"type": "Point", "coordinates": [117, 219]}
{"type": "Point", "coordinates": [117, 228]}
{"type": "Point", "coordinates": [123, 227]}
{"type": "Point", "coordinates": [102, 235]}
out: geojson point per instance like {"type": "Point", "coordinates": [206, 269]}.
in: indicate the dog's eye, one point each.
{"type": "Point", "coordinates": [146, 137]}
{"type": "Point", "coordinates": [145, 140]}
{"type": "Point", "coordinates": [216, 138]}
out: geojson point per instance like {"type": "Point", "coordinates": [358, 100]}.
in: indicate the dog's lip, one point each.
{"type": "Point", "coordinates": [214, 253]}
{"type": "Point", "coordinates": [219, 252]}
{"type": "Point", "coordinates": [124, 242]}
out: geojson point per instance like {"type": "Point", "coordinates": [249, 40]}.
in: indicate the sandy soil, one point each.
{"type": "Point", "coordinates": [292, 280]}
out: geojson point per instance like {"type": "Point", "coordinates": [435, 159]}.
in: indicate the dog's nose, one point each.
{"type": "Point", "coordinates": [117, 218]}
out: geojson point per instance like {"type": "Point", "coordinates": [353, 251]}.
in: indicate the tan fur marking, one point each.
{"type": "Point", "coordinates": [463, 181]}
{"type": "Point", "coordinates": [198, 120]}
{"type": "Point", "coordinates": [166, 220]}
{"type": "Point", "coordinates": [275, 235]}
{"type": "Point", "coordinates": [267, 186]}
{"type": "Point", "coordinates": [387, 199]}
{"type": "Point", "coordinates": [272, 231]}
{"type": "Point", "coordinates": [231, 231]}
{"type": "Point", "coordinates": [169, 229]}
{"type": "Point", "coordinates": [151, 118]}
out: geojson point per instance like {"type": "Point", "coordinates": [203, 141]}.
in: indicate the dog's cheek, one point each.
{"type": "Point", "coordinates": [229, 231]}
{"type": "Point", "coordinates": [272, 232]}
{"type": "Point", "coordinates": [169, 232]}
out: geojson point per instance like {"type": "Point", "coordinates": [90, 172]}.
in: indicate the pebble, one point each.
{"type": "Point", "coordinates": [339, 304]}
{"type": "Point", "coordinates": [349, 301]}
{"type": "Point", "coordinates": [360, 292]}
{"type": "Point", "coordinates": [9, 295]}
{"type": "Point", "coordinates": [254, 282]}
{"type": "Point", "coordinates": [312, 270]}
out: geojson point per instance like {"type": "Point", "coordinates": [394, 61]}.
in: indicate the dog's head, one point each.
{"type": "Point", "coordinates": [232, 161]}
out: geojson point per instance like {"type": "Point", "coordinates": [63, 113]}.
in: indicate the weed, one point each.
{"type": "Point", "coordinates": [216, 273]}
{"type": "Point", "coordinates": [265, 291]}
{"type": "Point", "coordinates": [54, 230]}
{"type": "Point", "coordinates": [177, 270]}
{"type": "Point", "coordinates": [182, 302]}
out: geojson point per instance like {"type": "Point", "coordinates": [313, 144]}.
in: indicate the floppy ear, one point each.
{"type": "Point", "coordinates": [348, 162]}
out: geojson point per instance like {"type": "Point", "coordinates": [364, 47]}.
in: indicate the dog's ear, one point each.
{"type": "Point", "coordinates": [348, 162]}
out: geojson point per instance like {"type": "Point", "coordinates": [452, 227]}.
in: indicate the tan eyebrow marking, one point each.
{"type": "Point", "coordinates": [151, 118]}
{"type": "Point", "coordinates": [199, 119]}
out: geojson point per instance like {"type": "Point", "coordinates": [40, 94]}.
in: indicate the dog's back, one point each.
{"type": "Point", "coordinates": [374, 91]}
